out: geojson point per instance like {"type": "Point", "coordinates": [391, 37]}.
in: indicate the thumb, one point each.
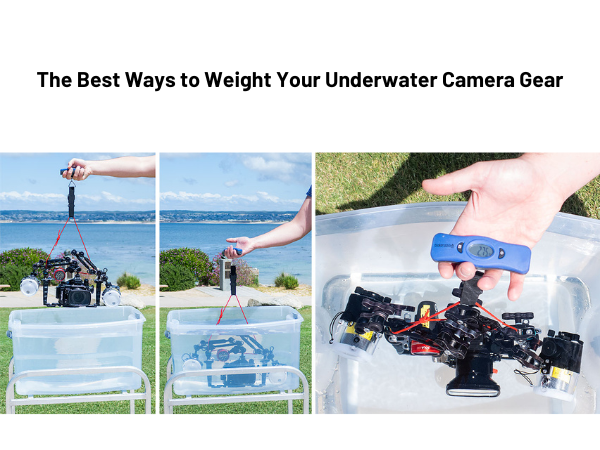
{"type": "Point", "coordinates": [234, 240]}
{"type": "Point", "coordinates": [452, 183]}
{"type": "Point", "coordinates": [71, 163]}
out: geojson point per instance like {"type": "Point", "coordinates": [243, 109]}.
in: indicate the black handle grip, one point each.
{"type": "Point", "coordinates": [517, 316]}
{"type": "Point", "coordinates": [71, 202]}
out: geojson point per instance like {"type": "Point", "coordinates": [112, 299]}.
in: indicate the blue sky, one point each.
{"type": "Point", "coordinates": [234, 181]}
{"type": "Point", "coordinates": [32, 181]}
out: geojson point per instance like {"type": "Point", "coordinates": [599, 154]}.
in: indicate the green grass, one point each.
{"type": "Point", "coordinates": [122, 407]}
{"type": "Point", "coordinates": [279, 407]}
{"type": "Point", "coordinates": [350, 181]}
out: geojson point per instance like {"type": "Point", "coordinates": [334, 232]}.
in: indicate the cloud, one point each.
{"type": "Point", "coordinates": [14, 196]}
{"type": "Point", "coordinates": [258, 201]}
{"type": "Point", "coordinates": [26, 198]}
{"type": "Point", "coordinates": [285, 167]}
{"type": "Point", "coordinates": [231, 183]}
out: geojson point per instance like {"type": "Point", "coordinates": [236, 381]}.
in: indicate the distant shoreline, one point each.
{"type": "Point", "coordinates": [230, 222]}
{"type": "Point", "coordinates": [115, 222]}
{"type": "Point", "coordinates": [96, 222]}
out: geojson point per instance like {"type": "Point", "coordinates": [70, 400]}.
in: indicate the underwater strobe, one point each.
{"type": "Point", "coordinates": [466, 340]}
{"type": "Point", "coordinates": [75, 291]}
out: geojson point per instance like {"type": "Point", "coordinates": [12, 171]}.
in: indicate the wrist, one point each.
{"type": "Point", "coordinates": [563, 173]}
{"type": "Point", "coordinates": [253, 244]}
{"type": "Point", "coordinates": [90, 168]}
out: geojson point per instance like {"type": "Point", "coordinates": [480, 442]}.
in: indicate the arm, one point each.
{"type": "Point", "coordinates": [512, 201]}
{"type": "Point", "coordinates": [125, 167]}
{"type": "Point", "coordinates": [284, 234]}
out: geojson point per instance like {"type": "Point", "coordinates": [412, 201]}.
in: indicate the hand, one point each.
{"type": "Point", "coordinates": [82, 171]}
{"type": "Point", "coordinates": [245, 243]}
{"type": "Point", "coordinates": [511, 201]}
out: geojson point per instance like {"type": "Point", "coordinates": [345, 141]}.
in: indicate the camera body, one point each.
{"type": "Point", "coordinates": [75, 292]}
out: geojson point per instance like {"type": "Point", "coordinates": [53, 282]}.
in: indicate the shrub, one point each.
{"type": "Point", "coordinates": [245, 276]}
{"type": "Point", "coordinates": [193, 259]}
{"type": "Point", "coordinates": [178, 278]}
{"type": "Point", "coordinates": [22, 257]}
{"type": "Point", "coordinates": [12, 274]}
{"type": "Point", "coordinates": [128, 280]}
{"type": "Point", "coordinates": [287, 281]}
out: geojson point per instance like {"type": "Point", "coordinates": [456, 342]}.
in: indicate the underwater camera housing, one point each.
{"type": "Point", "coordinates": [231, 353]}
{"type": "Point", "coordinates": [465, 340]}
{"type": "Point", "coordinates": [75, 292]}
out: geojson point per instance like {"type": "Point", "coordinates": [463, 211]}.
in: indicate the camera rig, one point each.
{"type": "Point", "coordinates": [465, 340]}
{"type": "Point", "coordinates": [75, 291]}
{"type": "Point", "coordinates": [221, 350]}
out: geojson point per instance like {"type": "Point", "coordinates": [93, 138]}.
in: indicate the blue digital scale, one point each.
{"type": "Point", "coordinates": [483, 252]}
{"type": "Point", "coordinates": [239, 251]}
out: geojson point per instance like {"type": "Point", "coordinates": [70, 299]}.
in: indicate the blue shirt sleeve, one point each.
{"type": "Point", "coordinates": [309, 193]}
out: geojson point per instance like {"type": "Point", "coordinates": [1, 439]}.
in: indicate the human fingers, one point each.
{"type": "Point", "coordinates": [78, 173]}
{"type": "Point", "coordinates": [465, 271]}
{"type": "Point", "coordinates": [85, 173]}
{"type": "Point", "coordinates": [459, 181]}
{"type": "Point", "coordinates": [515, 287]}
{"type": "Point", "coordinates": [490, 279]}
{"type": "Point", "coordinates": [446, 269]}
{"type": "Point", "coordinates": [234, 240]}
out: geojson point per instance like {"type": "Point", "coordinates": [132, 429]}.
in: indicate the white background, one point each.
{"type": "Point", "coordinates": [304, 38]}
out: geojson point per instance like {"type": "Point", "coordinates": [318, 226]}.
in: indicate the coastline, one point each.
{"type": "Point", "coordinates": [95, 222]}
{"type": "Point", "coordinates": [226, 222]}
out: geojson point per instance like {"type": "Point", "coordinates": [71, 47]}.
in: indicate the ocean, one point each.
{"type": "Point", "coordinates": [295, 258]}
{"type": "Point", "coordinates": [118, 247]}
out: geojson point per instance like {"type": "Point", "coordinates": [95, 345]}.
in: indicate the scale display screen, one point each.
{"type": "Point", "coordinates": [480, 250]}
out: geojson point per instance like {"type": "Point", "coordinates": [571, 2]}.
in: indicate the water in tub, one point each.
{"type": "Point", "coordinates": [403, 383]}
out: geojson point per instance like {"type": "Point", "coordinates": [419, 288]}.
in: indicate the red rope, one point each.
{"type": "Point", "coordinates": [493, 316]}
{"type": "Point", "coordinates": [223, 309]}
{"type": "Point", "coordinates": [86, 252]}
{"type": "Point", "coordinates": [426, 318]}
{"type": "Point", "coordinates": [57, 239]}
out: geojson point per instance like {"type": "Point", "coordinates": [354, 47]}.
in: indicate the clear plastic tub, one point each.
{"type": "Point", "coordinates": [271, 338]}
{"type": "Point", "coordinates": [386, 250]}
{"type": "Point", "coordinates": [61, 338]}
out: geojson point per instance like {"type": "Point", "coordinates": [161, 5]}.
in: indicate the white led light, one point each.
{"type": "Point", "coordinates": [30, 285]}
{"type": "Point", "coordinates": [190, 365]}
{"type": "Point", "coordinates": [111, 297]}
{"type": "Point", "coordinates": [277, 377]}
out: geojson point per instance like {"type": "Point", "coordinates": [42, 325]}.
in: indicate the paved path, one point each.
{"type": "Point", "coordinates": [14, 299]}
{"type": "Point", "coordinates": [242, 291]}
{"type": "Point", "coordinates": [210, 296]}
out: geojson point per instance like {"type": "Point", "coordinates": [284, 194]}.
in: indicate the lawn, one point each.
{"type": "Point", "coordinates": [279, 407]}
{"type": "Point", "coordinates": [122, 407]}
{"type": "Point", "coordinates": [350, 181]}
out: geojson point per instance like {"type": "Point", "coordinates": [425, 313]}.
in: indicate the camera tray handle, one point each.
{"type": "Point", "coordinates": [468, 292]}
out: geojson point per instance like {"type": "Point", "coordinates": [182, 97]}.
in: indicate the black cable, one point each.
{"type": "Point", "coordinates": [524, 375]}
{"type": "Point", "coordinates": [332, 324]}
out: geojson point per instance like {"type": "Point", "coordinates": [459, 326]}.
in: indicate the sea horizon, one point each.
{"type": "Point", "coordinates": [148, 217]}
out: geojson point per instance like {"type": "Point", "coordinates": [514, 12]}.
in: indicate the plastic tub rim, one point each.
{"type": "Point", "coordinates": [451, 207]}
{"type": "Point", "coordinates": [226, 326]}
